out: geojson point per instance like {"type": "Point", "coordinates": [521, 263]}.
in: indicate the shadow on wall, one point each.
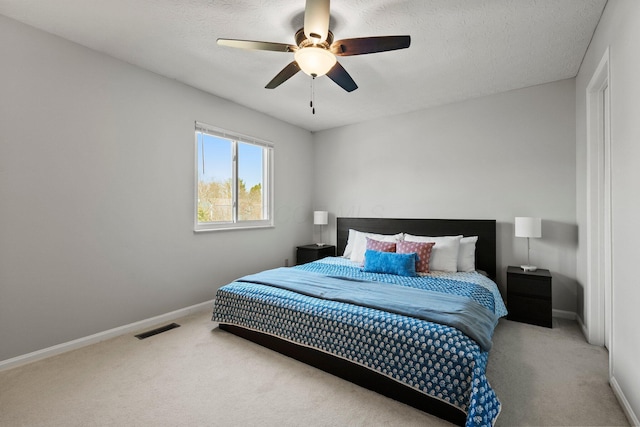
{"type": "Point", "coordinates": [558, 247]}
{"type": "Point", "coordinates": [580, 302]}
{"type": "Point", "coordinates": [560, 234]}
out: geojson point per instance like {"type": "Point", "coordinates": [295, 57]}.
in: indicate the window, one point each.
{"type": "Point", "coordinates": [234, 177]}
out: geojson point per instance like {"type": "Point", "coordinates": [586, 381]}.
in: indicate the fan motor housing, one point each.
{"type": "Point", "coordinates": [303, 41]}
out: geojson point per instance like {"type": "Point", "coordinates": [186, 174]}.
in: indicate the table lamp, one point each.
{"type": "Point", "coordinates": [320, 218]}
{"type": "Point", "coordinates": [528, 227]}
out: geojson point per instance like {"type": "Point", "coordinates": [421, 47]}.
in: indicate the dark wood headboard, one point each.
{"type": "Point", "coordinates": [485, 229]}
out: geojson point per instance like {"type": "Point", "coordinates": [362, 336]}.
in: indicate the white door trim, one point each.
{"type": "Point", "coordinates": [599, 225]}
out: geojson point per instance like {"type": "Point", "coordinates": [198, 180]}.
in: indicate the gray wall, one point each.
{"type": "Point", "coordinates": [500, 156]}
{"type": "Point", "coordinates": [619, 30]}
{"type": "Point", "coordinates": [96, 193]}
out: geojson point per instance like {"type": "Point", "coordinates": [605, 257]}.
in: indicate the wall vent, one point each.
{"type": "Point", "coordinates": [157, 331]}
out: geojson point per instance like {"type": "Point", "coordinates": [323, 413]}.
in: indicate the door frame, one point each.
{"type": "Point", "coordinates": [599, 208]}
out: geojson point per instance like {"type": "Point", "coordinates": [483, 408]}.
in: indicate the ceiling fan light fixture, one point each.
{"type": "Point", "coordinates": [315, 61]}
{"type": "Point", "coordinates": [315, 51]}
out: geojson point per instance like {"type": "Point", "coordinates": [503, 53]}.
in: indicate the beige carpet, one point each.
{"type": "Point", "coordinates": [196, 375]}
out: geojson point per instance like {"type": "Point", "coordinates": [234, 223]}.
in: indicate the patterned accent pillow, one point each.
{"type": "Point", "coordinates": [422, 249]}
{"type": "Point", "coordinates": [390, 263]}
{"type": "Point", "coordinates": [378, 245]}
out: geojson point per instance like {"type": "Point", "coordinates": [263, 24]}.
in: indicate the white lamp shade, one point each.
{"type": "Point", "coordinates": [528, 227]}
{"type": "Point", "coordinates": [320, 217]}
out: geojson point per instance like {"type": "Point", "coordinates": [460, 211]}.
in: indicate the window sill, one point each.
{"type": "Point", "coordinates": [228, 227]}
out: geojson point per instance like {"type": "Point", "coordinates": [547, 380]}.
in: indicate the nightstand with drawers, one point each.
{"type": "Point", "coordinates": [529, 296]}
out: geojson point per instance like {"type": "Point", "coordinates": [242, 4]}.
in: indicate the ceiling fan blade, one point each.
{"type": "Point", "coordinates": [284, 75]}
{"type": "Point", "coordinates": [316, 20]}
{"type": "Point", "coordinates": [340, 76]}
{"type": "Point", "coordinates": [364, 45]}
{"type": "Point", "coordinates": [257, 45]}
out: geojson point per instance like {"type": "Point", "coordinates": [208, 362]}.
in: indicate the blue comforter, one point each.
{"type": "Point", "coordinates": [438, 360]}
{"type": "Point", "coordinates": [449, 309]}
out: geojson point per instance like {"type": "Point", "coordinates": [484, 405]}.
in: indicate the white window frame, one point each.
{"type": "Point", "coordinates": [267, 178]}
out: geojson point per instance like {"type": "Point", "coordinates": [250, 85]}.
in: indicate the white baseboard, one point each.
{"type": "Point", "coordinates": [562, 314]}
{"type": "Point", "coordinates": [626, 407]}
{"type": "Point", "coordinates": [102, 336]}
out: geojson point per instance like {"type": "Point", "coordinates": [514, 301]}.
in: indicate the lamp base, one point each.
{"type": "Point", "coordinates": [320, 244]}
{"type": "Point", "coordinates": [528, 267]}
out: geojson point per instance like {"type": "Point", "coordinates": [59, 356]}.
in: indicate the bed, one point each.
{"type": "Point", "coordinates": [420, 357]}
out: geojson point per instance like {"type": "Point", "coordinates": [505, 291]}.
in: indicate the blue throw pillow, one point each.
{"type": "Point", "coordinates": [390, 262]}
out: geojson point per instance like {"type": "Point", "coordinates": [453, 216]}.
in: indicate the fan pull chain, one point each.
{"type": "Point", "coordinates": [313, 79]}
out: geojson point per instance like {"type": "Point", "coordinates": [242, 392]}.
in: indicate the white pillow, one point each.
{"type": "Point", "coordinates": [444, 254]}
{"type": "Point", "coordinates": [357, 243]}
{"type": "Point", "coordinates": [467, 254]}
{"type": "Point", "coordinates": [350, 242]}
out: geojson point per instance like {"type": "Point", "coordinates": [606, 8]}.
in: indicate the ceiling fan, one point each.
{"type": "Point", "coordinates": [315, 51]}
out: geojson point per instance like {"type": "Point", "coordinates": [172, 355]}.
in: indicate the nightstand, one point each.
{"type": "Point", "coordinates": [308, 253]}
{"type": "Point", "coordinates": [529, 296]}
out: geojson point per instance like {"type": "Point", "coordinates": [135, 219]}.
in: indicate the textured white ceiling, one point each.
{"type": "Point", "coordinates": [460, 49]}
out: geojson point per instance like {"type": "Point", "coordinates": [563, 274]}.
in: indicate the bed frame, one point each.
{"type": "Point", "coordinates": [485, 260]}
